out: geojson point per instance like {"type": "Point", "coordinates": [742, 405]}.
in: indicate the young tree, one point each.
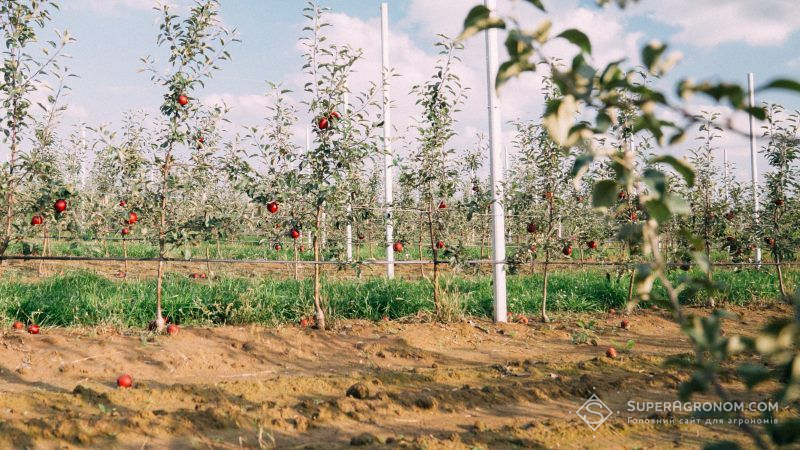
{"type": "Point", "coordinates": [433, 169]}
{"type": "Point", "coordinates": [783, 154]}
{"type": "Point", "coordinates": [341, 141]}
{"type": "Point", "coordinates": [195, 45]}
{"type": "Point", "coordinates": [24, 70]}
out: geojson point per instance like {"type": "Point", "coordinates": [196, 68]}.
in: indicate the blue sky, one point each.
{"type": "Point", "coordinates": [722, 39]}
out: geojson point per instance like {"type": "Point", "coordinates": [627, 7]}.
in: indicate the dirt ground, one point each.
{"type": "Point", "coordinates": [466, 385]}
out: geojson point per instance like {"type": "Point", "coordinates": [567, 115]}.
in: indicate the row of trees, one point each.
{"type": "Point", "coordinates": [189, 176]}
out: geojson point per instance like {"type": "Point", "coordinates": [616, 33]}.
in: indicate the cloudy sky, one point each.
{"type": "Point", "coordinates": [719, 39]}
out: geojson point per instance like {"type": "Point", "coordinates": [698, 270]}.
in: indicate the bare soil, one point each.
{"type": "Point", "coordinates": [472, 384]}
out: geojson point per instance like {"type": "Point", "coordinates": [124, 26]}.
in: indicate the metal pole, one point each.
{"type": "Point", "coordinates": [496, 169]}
{"type": "Point", "coordinates": [753, 161]}
{"type": "Point", "coordinates": [387, 141]}
{"type": "Point", "coordinates": [349, 232]}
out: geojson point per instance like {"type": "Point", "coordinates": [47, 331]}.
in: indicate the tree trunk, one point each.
{"type": "Point", "coordinates": [159, 322]}
{"type": "Point", "coordinates": [125, 256]}
{"type": "Point", "coordinates": [319, 313]}
{"type": "Point", "coordinates": [208, 262]}
{"type": "Point", "coordinates": [44, 251]}
{"type": "Point", "coordinates": [11, 187]}
{"type": "Point", "coordinates": [435, 252]}
{"type": "Point", "coordinates": [545, 319]}
{"type": "Point", "coordinates": [419, 250]}
{"type": "Point", "coordinates": [296, 266]}
{"type": "Point", "coordinates": [781, 283]}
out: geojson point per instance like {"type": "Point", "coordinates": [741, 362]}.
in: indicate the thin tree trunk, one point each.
{"type": "Point", "coordinates": [125, 255]}
{"type": "Point", "coordinates": [296, 265]}
{"type": "Point", "coordinates": [781, 283]}
{"type": "Point", "coordinates": [44, 251]}
{"type": "Point", "coordinates": [11, 187]}
{"type": "Point", "coordinates": [159, 322]}
{"type": "Point", "coordinates": [419, 250]}
{"type": "Point", "coordinates": [545, 319]}
{"type": "Point", "coordinates": [208, 263]}
{"type": "Point", "coordinates": [320, 314]}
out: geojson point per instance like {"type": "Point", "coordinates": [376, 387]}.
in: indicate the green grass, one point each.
{"type": "Point", "coordinates": [85, 299]}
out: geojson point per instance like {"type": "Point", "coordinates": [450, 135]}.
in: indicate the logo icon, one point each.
{"type": "Point", "coordinates": [594, 412]}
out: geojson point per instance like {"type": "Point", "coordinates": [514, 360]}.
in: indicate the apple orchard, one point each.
{"type": "Point", "coordinates": [184, 218]}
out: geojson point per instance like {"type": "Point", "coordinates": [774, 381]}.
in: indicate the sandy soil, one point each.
{"type": "Point", "coordinates": [466, 385]}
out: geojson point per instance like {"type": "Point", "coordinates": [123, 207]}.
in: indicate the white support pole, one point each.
{"type": "Point", "coordinates": [496, 169]}
{"type": "Point", "coordinates": [349, 230]}
{"type": "Point", "coordinates": [753, 160]}
{"type": "Point", "coordinates": [387, 141]}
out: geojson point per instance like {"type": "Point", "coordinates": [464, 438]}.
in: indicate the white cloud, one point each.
{"type": "Point", "coordinates": [709, 23]}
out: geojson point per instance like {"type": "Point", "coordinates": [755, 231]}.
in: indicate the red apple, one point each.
{"type": "Point", "coordinates": [625, 325]}
{"type": "Point", "coordinates": [172, 329]}
{"type": "Point", "coordinates": [33, 329]}
{"type": "Point", "coordinates": [278, 247]}
{"type": "Point", "coordinates": [548, 195]}
{"type": "Point", "coordinates": [272, 207]}
{"type": "Point", "coordinates": [622, 195]}
{"type": "Point", "coordinates": [611, 352]}
{"type": "Point", "coordinates": [522, 319]}
{"type": "Point", "coordinates": [360, 237]}
{"type": "Point", "coordinates": [19, 326]}
{"type": "Point", "coordinates": [183, 100]}
{"type": "Point", "coordinates": [778, 202]}
{"type": "Point", "coordinates": [123, 203]}
{"type": "Point", "coordinates": [592, 245]}
{"type": "Point", "coordinates": [133, 217]}
{"type": "Point", "coordinates": [124, 381]}
{"type": "Point", "coordinates": [303, 323]}
{"type": "Point", "coordinates": [442, 205]}
{"type": "Point", "coordinates": [294, 233]}
{"type": "Point", "coordinates": [398, 247]}
{"type": "Point", "coordinates": [37, 220]}
{"type": "Point", "coordinates": [769, 241]}
{"type": "Point", "coordinates": [567, 251]}
{"type": "Point", "coordinates": [201, 140]}
{"type": "Point", "coordinates": [336, 115]}
{"type": "Point", "coordinates": [385, 318]}
{"type": "Point", "coordinates": [440, 244]}
{"type": "Point", "coordinates": [634, 217]}
{"type": "Point", "coordinates": [203, 275]}
{"type": "Point", "coordinates": [125, 231]}
{"type": "Point", "coordinates": [532, 228]}
{"type": "Point", "coordinates": [60, 205]}
{"type": "Point", "coordinates": [323, 123]}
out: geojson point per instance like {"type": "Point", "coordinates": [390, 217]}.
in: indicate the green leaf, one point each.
{"type": "Point", "coordinates": [581, 166]}
{"type": "Point", "coordinates": [538, 4]}
{"type": "Point", "coordinates": [782, 83]}
{"type": "Point", "coordinates": [722, 445]}
{"type": "Point", "coordinates": [651, 53]}
{"type": "Point", "coordinates": [479, 19]}
{"type": "Point", "coordinates": [511, 69]}
{"type": "Point", "coordinates": [681, 166]}
{"type": "Point", "coordinates": [559, 118]}
{"type": "Point", "coordinates": [604, 193]}
{"type": "Point", "coordinates": [753, 374]}
{"type": "Point", "coordinates": [577, 38]}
